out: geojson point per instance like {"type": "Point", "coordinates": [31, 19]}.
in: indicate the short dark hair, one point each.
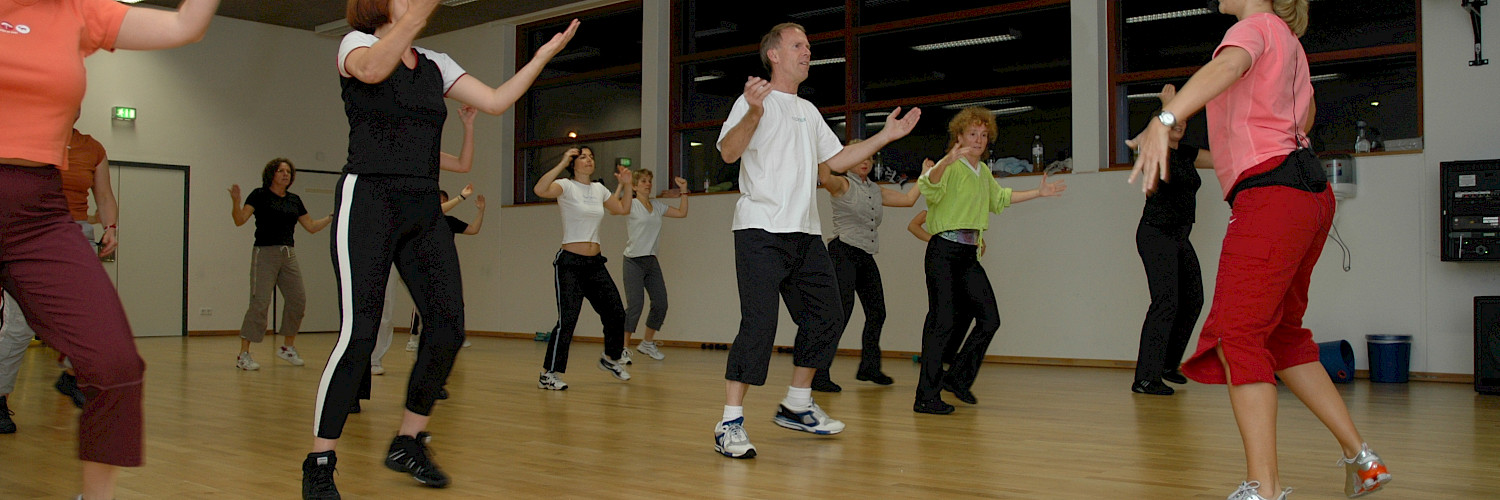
{"type": "Point", "coordinates": [571, 163]}
{"type": "Point", "coordinates": [443, 194]}
{"type": "Point", "coordinates": [773, 39]}
{"type": "Point", "coordinates": [368, 15]}
{"type": "Point", "coordinates": [269, 174]}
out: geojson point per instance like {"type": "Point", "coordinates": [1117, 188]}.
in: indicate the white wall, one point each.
{"type": "Point", "coordinates": [1067, 277]}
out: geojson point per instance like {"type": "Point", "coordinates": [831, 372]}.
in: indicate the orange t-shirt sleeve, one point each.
{"type": "Point", "coordinates": [101, 23]}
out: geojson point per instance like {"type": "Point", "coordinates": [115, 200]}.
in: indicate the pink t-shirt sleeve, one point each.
{"type": "Point", "coordinates": [101, 23]}
{"type": "Point", "coordinates": [1248, 36]}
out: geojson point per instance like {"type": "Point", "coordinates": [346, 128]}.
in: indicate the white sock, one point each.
{"type": "Point", "coordinates": [733, 412]}
{"type": "Point", "coordinates": [798, 398]}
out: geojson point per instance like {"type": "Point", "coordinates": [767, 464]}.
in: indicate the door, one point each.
{"type": "Point", "coordinates": [150, 266]}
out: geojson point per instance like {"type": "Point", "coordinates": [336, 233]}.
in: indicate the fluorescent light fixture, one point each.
{"type": "Point", "coordinates": [1014, 111]}
{"type": "Point", "coordinates": [874, 114]}
{"type": "Point", "coordinates": [333, 29]}
{"type": "Point", "coordinates": [1374, 103]}
{"type": "Point", "coordinates": [695, 144]}
{"type": "Point", "coordinates": [583, 52]}
{"type": "Point", "coordinates": [1327, 77]}
{"type": "Point", "coordinates": [967, 42]}
{"type": "Point", "coordinates": [991, 102]}
{"type": "Point", "coordinates": [1167, 15]}
{"type": "Point", "coordinates": [129, 1]}
{"type": "Point", "coordinates": [724, 27]}
{"type": "Point", "coordinates": [818, 12]}
{"type": "Point", "coordinates": [875, 124]}
{"type": "Point", "coordinates": [838, 118]}
{"type": "Point", "coordinates": [831, 60]}
{"type": "Point", "coordinates": [1142, 97]}
{"type": "Point", "coordinates": [712, 75]}
{"type": "Point", "coordinates": [455, 3]}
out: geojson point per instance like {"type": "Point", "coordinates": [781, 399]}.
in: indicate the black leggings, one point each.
{"type": "Point", "coordinates": [957, 290]}
{"type": "Point", "coordinates": [380, 220]}
{"type": "Point", "coordinates": [1176, 297]}
{"type": "Point", "coordinates": [858, 274]}
{"type": "Point", "coordinates": [583, 277]}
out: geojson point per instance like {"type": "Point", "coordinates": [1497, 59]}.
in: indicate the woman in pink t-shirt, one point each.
{"type": "Point", "coordinates": [46, 266]}
{"type": "Point", "coordinates": [1259, 101]}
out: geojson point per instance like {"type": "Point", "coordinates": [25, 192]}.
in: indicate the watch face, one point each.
{"type": "Point", "coordinates": [1167, 119]}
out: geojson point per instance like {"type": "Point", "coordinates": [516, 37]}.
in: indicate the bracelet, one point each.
{"type": "Point", "coordinates": [462, 197]}
{"type": "Point", "coordinates": [111, 226]}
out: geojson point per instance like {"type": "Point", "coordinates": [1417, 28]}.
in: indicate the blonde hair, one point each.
{"type": "Point", "coordinates": [1293, 12]}
{"type": "Point", "coordinates": [638, 175]}
{"type": "Point", "coordinates": [772, 39]}
{"type": "Point", "coordinates": [975, 115]}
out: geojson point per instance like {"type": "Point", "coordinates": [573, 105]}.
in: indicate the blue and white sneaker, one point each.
{"type": "Point", "coordinates": [616, 368]}
{"type": "Point", "coordinates": [731, 440]}
{"type": "Point", "coordinates": [813, 420]}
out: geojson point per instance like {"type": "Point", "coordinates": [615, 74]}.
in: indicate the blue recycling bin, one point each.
{"type": "Point", "coordinates": [1338, 358]}
{"type": "Point", "coordinates": [1390, 358]}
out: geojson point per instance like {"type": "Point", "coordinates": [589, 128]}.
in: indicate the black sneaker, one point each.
{"type": "Point", "coordinates": [876, 377]}
{"type": "Point", "coordinates": [442, 394]}
{"type": "Point", "coordinates": [935, 407]}
{"type": "Point", "coordinates": [317, 477]}
{"type": "Point", "coordinates": [1149, 387]}
{"type": "Point", "coordinates": [7, 426]}
{"type": "Point", "coordinates": [68, 386]}
{"type": "Point", "coordinates": [825, 385]}
{"type": "Point", "coordinates": [1174, 376]}
{"type": "Point", "coordinates": [961, 393]}
{"type": "Point", "coordinates": [409, 454]}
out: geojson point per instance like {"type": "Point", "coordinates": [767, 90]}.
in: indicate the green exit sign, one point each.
{"type": "Point", "coordinates": [124, 113]}
{"type": "Point", "coordinates": [624, 162]}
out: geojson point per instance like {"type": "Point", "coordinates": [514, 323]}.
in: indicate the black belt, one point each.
{"type": "Point", "coordinates": [1300, 170]}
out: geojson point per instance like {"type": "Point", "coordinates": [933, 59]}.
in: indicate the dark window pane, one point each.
{"type": "Point", "coordinates": [591, 107]}
{"type": "Point", "coordinates": [604, 41]}
{"type": "Point", "coordinates": [711, 87]}
{"type": "Point", "coordinates": [702, 165]}
{"type": "Point", "coordinates": [714, 24]}
{"type": "Point", "coordinates": [1160, 34]}
{"type": "Point", "coordinates": [1141, 102]}
{"type": "Point", "coordinates": [880, 11]}
{"type": "Point", "coordinates": [998, 51]}
{"type": "Point", "coordinates": [537, 161]}
{"type": "Point", "coordinates": [1019, 118]}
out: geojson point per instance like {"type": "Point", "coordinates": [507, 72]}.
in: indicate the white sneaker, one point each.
{"type": "Point", "coordinates": [812, 419]}
{"type": "Point", "coordinates": [411, 344]}
{"type": "Point", "coordinates": [616, 368]}
{"type": "Point", "coordinates": [551, 381]}
{"type": "Point", "coordinates": [246, 363]}
{"type": "Point", "coordinates": [625, 356]}
{"type": "Point", "coordinates": [731, 440]}
{"type": "Point", "coordinates": [468, 342]}
{"type": "Point", "coordinates": [649, 349]}
{"type": "Point", "coordinates": [377, 370]}
{"type": "Point", "coordinates": [1249, 491]}
{"type": "Point", "coordinates": [289, 353]}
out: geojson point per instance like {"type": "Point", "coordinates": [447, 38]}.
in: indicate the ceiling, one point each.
{"type": "Point", "coordinates": [308, 14]}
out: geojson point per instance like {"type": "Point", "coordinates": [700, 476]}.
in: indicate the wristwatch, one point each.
{"type": "Point", "coordinates": [1166, 118]}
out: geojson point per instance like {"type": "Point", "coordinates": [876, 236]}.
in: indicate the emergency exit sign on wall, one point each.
{"type": "Point", "coordinates": [124, 113]}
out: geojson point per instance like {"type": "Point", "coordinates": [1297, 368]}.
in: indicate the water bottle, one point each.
{"type": "Point", "coordinates": [705, 185]}
{"type": "Point", "coordinates": [1036, 153]}
{"type": "Point", "coordinates": [1361, 139]}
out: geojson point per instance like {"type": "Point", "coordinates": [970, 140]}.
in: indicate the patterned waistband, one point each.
{"type": "Point", "coordinates": [962, 236]}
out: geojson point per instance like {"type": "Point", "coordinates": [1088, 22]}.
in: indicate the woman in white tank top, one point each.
{"type": "Point", "coordinates": [579, 269]}
{"type": "Point", "coordinates": [643, 274]}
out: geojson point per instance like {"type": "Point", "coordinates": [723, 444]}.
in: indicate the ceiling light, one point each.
{"type": "Point", "coordinates": [968, 42]}
{"type": "Point", "coordinates": [695, 144]}
{"type": "Point", "coordinates": [1141, 97]}
{"type": "Point", "coordinates": [930, 76]}
{"type": "Point", "coordinates": [818, 12]}
{"type": "Point", "coordinates": [583, 52]}
{"type": "Point", "coordinates": [712, 75]}
{"type": "Point", "coordinates": [991, 102]}
{"type": "Point", "coordinates": [1014, 111]}
{"type": "Point", "coordinates": [724, 27]}
{"type": "Point", "coordinates": [572, 135]}
{"type": "Point", "coordinates": [874, 114]}
{"type": "Point", "coordinates": [129, 1]}
{"type": "Point", "coordinates": [831, 60]}
{"type": "Point", "coordinates": [1374, 103]}
{"type": "Point", "coordinates": [455, 3]}
{"type": "Point", "coordinates": [1327, 77]}
{"type": "Point", "coordinates": [1167, 15]}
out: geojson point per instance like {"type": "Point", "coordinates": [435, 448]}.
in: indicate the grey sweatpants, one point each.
{"type": "Point", "coordinates": [273, 267]}
{"type": "Point", "coordinates": [643, 274]}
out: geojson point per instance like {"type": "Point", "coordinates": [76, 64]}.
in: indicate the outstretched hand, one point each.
{"type": "Point", "coordinates": [558, 41]}
{"type": "Point", "coordinates": [1151, 158]}
{"type": "Point", "coordinates": [479, 202]}
{"type": "Point", "coordinates": [623, 175]}
{"type": "Point", "coordinates": [234, 192]}
{"type": "Point", "coordinates": [898, 128]}
{"type": "Point", "coordinates": [756, 91]}
{"type": "Point", "coordinates": [1052, 189]}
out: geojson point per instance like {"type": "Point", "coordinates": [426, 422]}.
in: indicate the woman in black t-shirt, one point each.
{"type": "Point", "coordinates": [387, 212]}
{"type": "Point", "coordinates": [273, 263]}
{"type": "Point", "coordinates": [1171, 265]}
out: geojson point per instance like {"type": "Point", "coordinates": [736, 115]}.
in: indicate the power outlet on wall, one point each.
{"type": "Point", "coordinates": [206, 312]}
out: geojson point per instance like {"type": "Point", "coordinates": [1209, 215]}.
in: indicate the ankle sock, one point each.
{"type": "Point", "coordinates": [798, 398]}
{"type": "Point", "coordinates": [733, 412]}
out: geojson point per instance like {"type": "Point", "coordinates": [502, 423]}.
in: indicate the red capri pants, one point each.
{"type": "Point", "coordinates": [69, 301]}
{"type": "Point", "coordinates": [1275, 237]}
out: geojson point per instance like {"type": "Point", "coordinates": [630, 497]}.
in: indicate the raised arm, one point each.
{"type": "Point", "coordinates": [313, 226]}
{"type": "Point", "coordinates": [241, 213]}
{"type": "Point", "coordinates": [1210, 81]}
{"type": "Point", "coordinates": [1045, 190]}
{"type": "Point", "coordinates": [109, 209]}
{"type": "Point", "coordinates": [544, 186]}
{"type": "Point", "coordinates": [893, 198]}
{"type": "Point", "coordinates": [463, 194]}
{"type": "Point", "coordinates": [465, 159]}
{"type": "Point", "coordinates": [836, 185]}
{"type": "Point", "coordinates": [152, 29]}
{"type": "Point", "coordinates": [935, 173]}
{"type": "Point", "coordinates": [478, 219]}
{"type": "Point", "coordinates": [618, 202]}
{"type": "Point", "coordinates": [681, 209]}
{"type": "Point", "coordinates": [738, 139]}
{"type": "Point", "coordinates": [915, 226]}
{"type": "Point", "coordinates": [469, 90]}
{"type": "Point", "coordinates": [894, 129]}
{"type": "Point", "coordinates": [374, 63]}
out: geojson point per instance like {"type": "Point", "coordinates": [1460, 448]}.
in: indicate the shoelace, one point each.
{"type": "Point", "coordinates": [1245, 490]}
{"type": "Point", "coordinates": [736, 433]}
{"type": "Point", "coordinates": [322, 479]}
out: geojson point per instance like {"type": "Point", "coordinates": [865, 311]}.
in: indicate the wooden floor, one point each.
{"type": "Point", "coordinates": [215, 432]}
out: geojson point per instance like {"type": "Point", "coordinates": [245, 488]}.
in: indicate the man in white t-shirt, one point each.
{"type": "Point", "coordinates": [778, 250]}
